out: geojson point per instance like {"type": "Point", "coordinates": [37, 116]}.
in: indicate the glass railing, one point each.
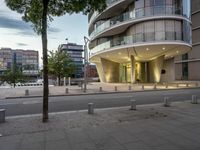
{"type": "Point", "coordinates": [136, 14]}
{"type": "Point", "coordinates": [139, 38]}
{"type": "Point", "coordinates": [94, 15]}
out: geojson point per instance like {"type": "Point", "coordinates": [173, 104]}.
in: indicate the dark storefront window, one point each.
{"type": "Point", "coordinates": [185, 71]}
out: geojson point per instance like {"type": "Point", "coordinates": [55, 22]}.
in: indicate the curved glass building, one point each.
{"type": "Point", "coordinates": [137, 40]}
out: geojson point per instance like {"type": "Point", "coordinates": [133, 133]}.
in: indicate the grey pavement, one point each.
{"type": "Point", "coordinates": [150, 127]}
{"type": "Point", "coordinates": [92, 88]}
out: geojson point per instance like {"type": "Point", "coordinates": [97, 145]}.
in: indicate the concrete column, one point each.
{"type": "Point", "coordinates": [155, 67]}
{"type": "Point", "coordinates": [69, 81]}
{"type": "Point", "coordinates": [100, 71]}
{"type": "Point", "coordinates": [64, 84]}
{"type": "Point", "coordinates": [132, 69]}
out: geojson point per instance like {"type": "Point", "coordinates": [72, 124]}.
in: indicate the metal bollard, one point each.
{"type": "Point", "coordinates": [155, 87]}
{"type": "Point", "coordinates": [142, 87]}
{"type": "Point", "coordinates": [115, 88]}
{"type": "Point", "coordinates": [194, 99]}
{"type": "Point", "coordinates": [100, 89]}
{"type": "Point", "coordinates": [166, 86]}
{"type": "Point", "coordinates": [196, 84]}
{"type": "Point", "coordinates": [177, 85]}
{"type": "Point", "coordinates": [166, 102]}
{"type": "Point", "coordinates": [90, 108]}
{"type": "Point", "coordinates": [66, 90]}
{"type": "Point", "coordinates": [187, 85]}
{"type": "Point", "coordinates": [129, 88]}
{"type": "Point", "coordinates": [133, 104]}
{"type": "Point", "coordinates": [26, 92]}
{"type": "Point", "coordinates": [2, 115]}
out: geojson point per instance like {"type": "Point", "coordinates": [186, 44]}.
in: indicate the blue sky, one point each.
{"type": "Point", "coordinates": [17, 34]}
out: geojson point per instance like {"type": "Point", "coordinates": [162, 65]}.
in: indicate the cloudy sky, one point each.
{"type": "Point", "coordinates": [17, 34]}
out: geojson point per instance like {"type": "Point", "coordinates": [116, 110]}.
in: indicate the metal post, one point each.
{"type": "Point", "coordinates": [26, 92]}
{"type": "Point", "coordinates": [100, 89]}
{"type": "Point", "coordinates": [2, 115]}
{"type": "Point", "coordinates": [129, 88]}
{"type": "Point", "coordinates": [86, 40]}
{"type": "Point", "coordinates": [177, 85]}
{"type": "Point", "coordinates": [187, 85]}
{"type": "Point", "coordinates": [194, 99]}
{"type": "Point", "coordinates": [133, 104]}
{"type": "Point", "coordinates": [142, 87]}
{"type": "Point", "coordinates": [90, 108]}
{"type": "Point", "coordinates": [155, 87]}
{"type": "Point", "coordinates": [115, 88]}
{"type": "Point", "coordinates": [166, 102]}
{"type": "Point", "coordinates": [66, 90]}
{"type": "Point", "coordinates": [166, 85]}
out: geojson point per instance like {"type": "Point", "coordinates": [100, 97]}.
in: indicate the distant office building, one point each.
{"type": "Point", "coordinates": [75, 52]}
{"type": "Point", "coordinates": [187, 65]}
{"type": "Point", "coordinates": [25, 60]}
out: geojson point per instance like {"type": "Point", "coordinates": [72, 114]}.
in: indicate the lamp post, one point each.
{"type": "Point", "coordinates": [86, 40]}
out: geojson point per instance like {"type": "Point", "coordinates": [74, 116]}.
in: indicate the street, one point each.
{"type": "Point", "coordinates": [25, 106]}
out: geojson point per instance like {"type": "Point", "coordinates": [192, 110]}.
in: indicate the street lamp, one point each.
{"type": "Point", "coordinates": [86, 40]}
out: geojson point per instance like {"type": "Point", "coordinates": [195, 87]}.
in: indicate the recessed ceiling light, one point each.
{"type": "Point", "coordinates": [107, 55]}
{"type": "Point", "coordinates": [177, 52]}
{"type": "Point", "coordinates": [147, 49]}
{"type": "Point", "coordinates": [163, 48]}
{"type": "Point", "coordinates": [119, 53]}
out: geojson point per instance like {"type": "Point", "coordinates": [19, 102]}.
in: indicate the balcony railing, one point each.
{"type": "Point", "coordinates": [136, 14]}
{"type": "Point", "coordinates": [139, 38]}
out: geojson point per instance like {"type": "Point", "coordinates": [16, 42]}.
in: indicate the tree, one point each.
{"type": "Point", "coordinates": [60, 64]}
{"type": "Point", "coordinates": [12, 77]}
{"type": "Point", "coordinates": [39, 13]}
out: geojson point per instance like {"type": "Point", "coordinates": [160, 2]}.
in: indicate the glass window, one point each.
{"type": "Point", "coordinates": [178, 30]}
{"type": "Point", "coordinates": [139, 32]}
{"type": "Point", "coordinates": [149, 31]}
{"type": "Point", "coordinates": [187, 8]}
{"type": "Point", "coordinates": [169, 27]}
{"type": "Point", "coordinates": [159, 30]}
{"type": "Point", "coordinates": [139, 4]}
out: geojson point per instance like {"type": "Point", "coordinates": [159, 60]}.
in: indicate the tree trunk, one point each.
{"type": "Point", "coordinates": [45, 61]}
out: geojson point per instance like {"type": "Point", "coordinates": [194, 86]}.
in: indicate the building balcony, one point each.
{"type": "Point", "coordinates": [141, 39]}
{"type": "Point", "coordinates": [126, 19]}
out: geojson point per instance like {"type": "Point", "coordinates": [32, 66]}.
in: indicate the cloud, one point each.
{"type": "Point", "coordinates": [11, 23]}
{"type": "Point", "coordinates": [54, 30]}
{"type": "Point", "coordinates": [22, 44]}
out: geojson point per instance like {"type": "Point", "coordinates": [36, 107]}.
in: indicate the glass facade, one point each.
{"type": "Point", "coordinates": [144, 8]}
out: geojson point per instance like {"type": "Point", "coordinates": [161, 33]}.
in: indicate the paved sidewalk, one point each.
{"type": "Point", "coordinates": [151, 127]}
{"type": "Point", "coordinates": [92, 88]}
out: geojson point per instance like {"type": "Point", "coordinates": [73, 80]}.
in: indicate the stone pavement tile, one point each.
{"type": "Point", "coordinates": [54, 135]}
{"type": "Point", "coordinates": [9, 145]}
{"type": "Point", "coordinates": [33, 137]}
{"type": "Point", "coordinates": [14, 138]}
{"type": "Point", "coordinates": [108, 144]}
{"type": "Point", "coordinates": [168, 146]}
{"type": "Point", "coordinates": [32, 146]}
{"type": "Point", "coordinates": [182, 141]}
{"type": "Point", "coordinates": [78, 136]}
{"type": "Point", "coordinates": [58, 145]}
{"type": "Point", "coordinates": [97, 133]}
{"type": "Point", "coordinates": [151, 139]}
{"type": "Point", "coordinates": [138, 145]}
{"type": "Point", "coordinates": [84, 146]}
{"type": "Point", "coordinates": [123, 137]}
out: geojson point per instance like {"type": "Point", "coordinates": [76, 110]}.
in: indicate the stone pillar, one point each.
{"type": "Point", "coordinates": [132, 69]}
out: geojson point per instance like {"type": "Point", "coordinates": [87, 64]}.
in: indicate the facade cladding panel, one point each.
{"type": "Point", "coordinates": [142, 31]}
{"type": "Point", "coordinates": [193, 60]}
{"type": "Point", "coordinates": [75, 52]}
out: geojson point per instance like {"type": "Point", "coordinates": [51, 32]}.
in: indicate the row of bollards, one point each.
{"type": "Point", "coordinates": [166, 103]}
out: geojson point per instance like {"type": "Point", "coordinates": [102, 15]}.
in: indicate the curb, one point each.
{"type": "Point", "coordinates": [99, 93]}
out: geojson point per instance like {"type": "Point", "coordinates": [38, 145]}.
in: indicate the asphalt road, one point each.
{"type": "Point", "coordinates": [25, 106]}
